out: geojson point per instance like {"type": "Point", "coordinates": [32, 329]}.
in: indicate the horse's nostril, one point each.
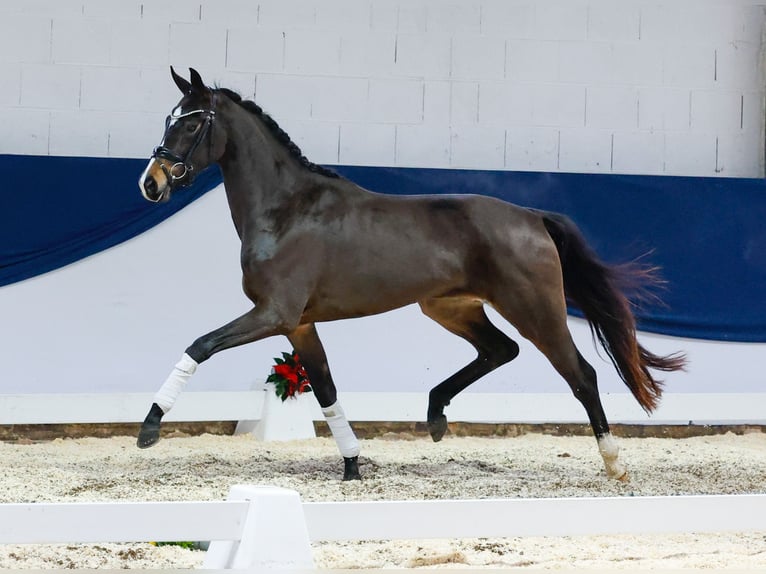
{"type": "Point", "coordinates": [150, 185]}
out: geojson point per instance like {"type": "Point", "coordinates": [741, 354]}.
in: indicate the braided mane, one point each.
{"type": "Point", "coordinates": [277, 132]}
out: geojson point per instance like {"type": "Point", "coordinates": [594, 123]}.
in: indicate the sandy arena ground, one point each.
{"type": "Point", "coordinates": [397, 466]}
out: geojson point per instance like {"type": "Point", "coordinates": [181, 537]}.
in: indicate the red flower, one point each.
{"type": "Point", "coordinates": [286, 371]}
{"type": "Point", "coordinates": [289, 376]}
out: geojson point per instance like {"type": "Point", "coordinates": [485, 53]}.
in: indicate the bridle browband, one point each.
{"type": "Point", "coordinates": [182, 163]}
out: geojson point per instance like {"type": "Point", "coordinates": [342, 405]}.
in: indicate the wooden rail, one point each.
{"type": "Point", "coordinates": [263, 526]}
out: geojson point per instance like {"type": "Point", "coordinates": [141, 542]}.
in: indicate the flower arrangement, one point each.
{"type": "Point", "coordinates": [289, 376]}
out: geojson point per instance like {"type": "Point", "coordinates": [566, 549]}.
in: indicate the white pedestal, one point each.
{"type": "Point", "coordinates": [288, 420]}
{"type": "Point", "coordinates": [274, 533]}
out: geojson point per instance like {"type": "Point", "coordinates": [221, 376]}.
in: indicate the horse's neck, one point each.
{"type": "Point", "coordinates": [259, 175]}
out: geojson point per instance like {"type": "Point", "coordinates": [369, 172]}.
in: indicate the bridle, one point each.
{"type": "Point", "coordinates": [182, 166]}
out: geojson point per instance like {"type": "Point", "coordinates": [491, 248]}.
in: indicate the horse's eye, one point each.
{"type": "Point", "coordinates": [191, 127]}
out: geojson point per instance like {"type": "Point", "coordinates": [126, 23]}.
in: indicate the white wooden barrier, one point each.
{"type": "Point", "coordinates": [257, 527]}
{"type": "Point", "coordinates": [676, 408]}
{"type": "Point", "coordinates": [269, 527]}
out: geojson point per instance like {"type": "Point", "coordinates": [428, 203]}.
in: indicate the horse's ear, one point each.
{"type": "Point", "coordinates": [196, 81]}
{"type": "Point", "coordinates": [182, 83]}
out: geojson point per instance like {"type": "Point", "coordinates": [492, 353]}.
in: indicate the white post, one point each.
{"type": "Point", "coordinates": [288, 420]}
{"type": "Point", "coordinates": [274, 534]}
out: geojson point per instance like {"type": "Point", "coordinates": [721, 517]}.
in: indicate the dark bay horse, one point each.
{"type": "Point", "coordinates": [317, 247]}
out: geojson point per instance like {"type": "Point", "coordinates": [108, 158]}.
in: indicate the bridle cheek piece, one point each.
{"type": "Point", "coordinates": [181, 166]}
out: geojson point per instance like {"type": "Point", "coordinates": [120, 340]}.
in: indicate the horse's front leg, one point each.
{"type": "Point", "coordinates": [256, 324]}
{"type": "Point", "coordinates": [306, 343]}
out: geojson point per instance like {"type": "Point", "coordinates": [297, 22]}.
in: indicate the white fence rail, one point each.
{"type": "Point", "coordinates": [262, 526]}
{"type": "Point", "coordinates": [58, 523]}
{"type": "Point", "coordinates": [676, 408]}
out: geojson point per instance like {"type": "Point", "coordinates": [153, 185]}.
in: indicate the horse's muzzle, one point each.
{"type": "Point", "coordinates": [153, 183]}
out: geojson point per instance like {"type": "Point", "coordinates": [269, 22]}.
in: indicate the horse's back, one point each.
{"type": "Point", "coordinates": [509, 232]}
{"type": "Point", "coordinates": [460, 212]}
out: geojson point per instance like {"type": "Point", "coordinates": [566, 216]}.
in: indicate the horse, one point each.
{"type": "Point", "coordinates": [317, 247]}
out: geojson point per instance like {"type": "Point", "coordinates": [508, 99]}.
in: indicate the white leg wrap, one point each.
{"type": "Point", "coordinates": [607, 446]}
{"type": "Point", "coordinates": [174, 384]}
{"type": "Point", "coordinates": [348, 445]}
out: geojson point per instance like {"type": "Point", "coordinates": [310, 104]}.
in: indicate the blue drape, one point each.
{"type": "Point", "coordinates": [57, 210]}
{"type": "Point", "coordinates": [707, 234]}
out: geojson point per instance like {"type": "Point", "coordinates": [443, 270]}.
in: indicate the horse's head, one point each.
{"type": "Point", "coordinates": [189, 145]}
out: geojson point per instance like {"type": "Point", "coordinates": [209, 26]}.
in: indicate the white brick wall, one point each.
{"type": "Point", "coordinates": [24, 131]}
{"type": "Point", "coordinates": [611, 107]}
{"type": "Point", "coordinates": [415, 145]}
{"type": "Point", "coordinates": [626, 86]}
{"type": "Point", "coordinates": [80, 41]}
{"type": "Point", "coordinates": [50, 86]}
{"type": "Point", "coordinates": [478, 57]}
{"type": "Point", "coordinates": [638, 152]}
{"type": "Point", "coordinates": [395, 101]}
{"type": "Point", "coordinates": [25, 38]}
{"type": "Point", "coordinates": [365, 144]}
{"type": "Point", "coordinates": [11, 92]}
{"type": "Point", "coordinates": [532, 149]}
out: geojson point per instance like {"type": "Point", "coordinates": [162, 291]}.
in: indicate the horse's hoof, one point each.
{"type": "Point", "coordinates": [351, 468]}
{"type": "Point", "coordinates": [624, 477]}
{"type": "Point", "coordinates": [619, 473]}
{"type": "Point", "coordinates": [437, 427]}
{"type": "Point", "coordinates": [149, 435]}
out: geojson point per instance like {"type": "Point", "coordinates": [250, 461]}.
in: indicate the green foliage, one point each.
{"type": "Point", "coordinates": [182, 544]}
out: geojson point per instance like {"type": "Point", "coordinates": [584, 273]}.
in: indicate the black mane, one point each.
{"type": "Point", "coordinates": [277, 132]}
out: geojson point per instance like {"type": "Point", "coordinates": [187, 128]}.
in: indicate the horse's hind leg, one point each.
{"type": "Point", "coordinates": [466, 318]}
{"type": "Point", "coordinates": [306, 343]}
{"type": "Point", "coordinates": [545, 324]}
{"type": "Point", "coordinates": [581, 377]}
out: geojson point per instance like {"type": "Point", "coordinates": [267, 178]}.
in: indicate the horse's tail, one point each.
{"type": "Point", "coordinates": [598, 289]}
